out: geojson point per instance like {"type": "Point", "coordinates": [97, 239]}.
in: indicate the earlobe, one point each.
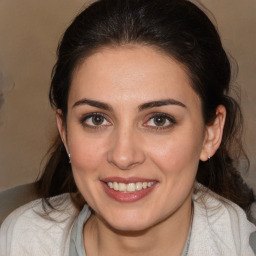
{"type": "Point", "coordinates": [213, 134]}
{"type": "Point", "coordinates": [61, 128]}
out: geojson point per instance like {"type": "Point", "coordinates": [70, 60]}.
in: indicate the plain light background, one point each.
{"type": "Point", "coordinates": [29, 34]}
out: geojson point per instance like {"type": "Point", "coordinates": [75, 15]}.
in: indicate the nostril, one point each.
{"type": "Point", "coordinates": [125, 165]}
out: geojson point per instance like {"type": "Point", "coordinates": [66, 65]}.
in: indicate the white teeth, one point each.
{"type": "Point", "coordinates": [130, 187]}
{"type": "Point", "coordinates": [122, 187]}
{"type": "Point", "coordinates": [115, 184]}
{"type": "Point", "coordinates": [150, 184]}
{"type": "Point", "coordinates": [144, 184]}
{"type": "Point", "coordinates": [110, 184]}
{"type": "Point", "coordinates": [139, 186]}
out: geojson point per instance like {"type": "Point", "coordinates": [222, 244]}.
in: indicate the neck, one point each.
{"type": "Point", "coordinates": [164, 238]}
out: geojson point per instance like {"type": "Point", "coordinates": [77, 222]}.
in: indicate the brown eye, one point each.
{"type": "Point", "coordinates": [95, 120]}
{"type": "Point", "coordinates": [160, 120]}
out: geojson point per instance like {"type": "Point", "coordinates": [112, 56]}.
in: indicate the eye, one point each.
{"type": "Point", "coordinates": [160, 121]}
{"type": "Point", "coordinates": [95, 120]}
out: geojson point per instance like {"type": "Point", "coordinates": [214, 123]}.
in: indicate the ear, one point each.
{"type": "Point", "coordinates": [62, 128]}
{"type": "Point", "coordinates": [213, 134]}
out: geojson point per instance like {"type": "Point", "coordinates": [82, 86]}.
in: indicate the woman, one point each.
{"type": "Point", "coordinates": [148, 141]}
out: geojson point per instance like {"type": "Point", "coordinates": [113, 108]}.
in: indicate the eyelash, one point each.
{"type": "Point", "coordinates": [91, 115]}
{"type": "Point", "coordinates": [161, 115]}
{"type": "Point", "coordinates": [102, 126]}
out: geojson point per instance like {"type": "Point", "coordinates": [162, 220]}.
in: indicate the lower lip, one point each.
{"type": "Point", "coordinates": [127, 197]}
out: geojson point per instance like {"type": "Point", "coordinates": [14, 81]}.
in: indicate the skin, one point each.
{"type": "Point", "coordinates": [128, 142]}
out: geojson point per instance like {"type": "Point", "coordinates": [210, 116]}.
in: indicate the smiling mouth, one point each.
{"type": "Point", "coordinates": [130, 187]}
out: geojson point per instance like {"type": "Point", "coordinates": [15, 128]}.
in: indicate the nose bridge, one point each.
{"type": "Point", "coordinates": [125, 151]}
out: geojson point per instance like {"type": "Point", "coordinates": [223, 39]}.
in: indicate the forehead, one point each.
{"type": "Point", "coordinates": [131, 73]}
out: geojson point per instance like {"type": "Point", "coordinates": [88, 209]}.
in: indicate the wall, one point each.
{"type": "Point", "coordinates": [30, 31]}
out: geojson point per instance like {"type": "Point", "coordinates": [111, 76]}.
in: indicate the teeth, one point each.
{"type": "Point", "coordinates": [115, 185]}
{"type": "Point", "coordinates": [130, 187]}
{"type": "Point", "coordinates": [122, 187]}
{"type": "Point", "coordinates": [110, 184]}
{"type": "Point", "coordinates": [139, 186]}
{"type": "Point", "coordinates": [150, 184]}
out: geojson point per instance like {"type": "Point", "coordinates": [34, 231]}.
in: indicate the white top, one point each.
{"type": "Point", "coordinates": [219, 228]}
{"type": "Point", "coordinates": [28, 231]}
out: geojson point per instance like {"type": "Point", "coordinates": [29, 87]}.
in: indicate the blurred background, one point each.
{"type": "Point", "coordinates": [29, 33]}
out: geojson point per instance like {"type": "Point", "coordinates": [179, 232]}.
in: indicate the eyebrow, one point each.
{"type": "Point", "coordinates": [147, 105]}
{"type": "Point", "coordinates": [160, 103]}
{"type": "Point", "coordinates": [93, 103]}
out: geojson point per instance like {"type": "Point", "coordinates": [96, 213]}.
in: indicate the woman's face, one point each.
{"type": "Point", "coordinates": [135, 133]}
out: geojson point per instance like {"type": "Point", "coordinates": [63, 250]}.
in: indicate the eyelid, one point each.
{"type": "Point", "coordinates": [90, 115]}
{"type": "Point", "coordinates": [170, 118]}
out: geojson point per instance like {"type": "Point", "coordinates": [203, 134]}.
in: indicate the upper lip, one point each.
{"type": "Point", "coordinates": [127, 180]}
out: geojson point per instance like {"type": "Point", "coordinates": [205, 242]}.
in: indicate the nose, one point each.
{"type": "Point", "coordinates": [126, 149]}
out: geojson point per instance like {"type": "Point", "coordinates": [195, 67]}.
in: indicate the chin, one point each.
{"type": "Point", "coordinates": [129, 223]}
{"type": "Point", "coordinates": [129, 227]}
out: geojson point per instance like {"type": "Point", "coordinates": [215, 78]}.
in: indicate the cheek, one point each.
{"type": "Point", "coordinates": [86, 153]}
{"type": "Point", "coordinates": [178, 154]}
{"type": "Point", "coordinates": [87, 159]}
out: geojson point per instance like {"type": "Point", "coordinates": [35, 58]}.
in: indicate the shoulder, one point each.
{"type": "Point", "coordinates": [30, 231]}
{"type": "Point", "coordinates": [220, 227]}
